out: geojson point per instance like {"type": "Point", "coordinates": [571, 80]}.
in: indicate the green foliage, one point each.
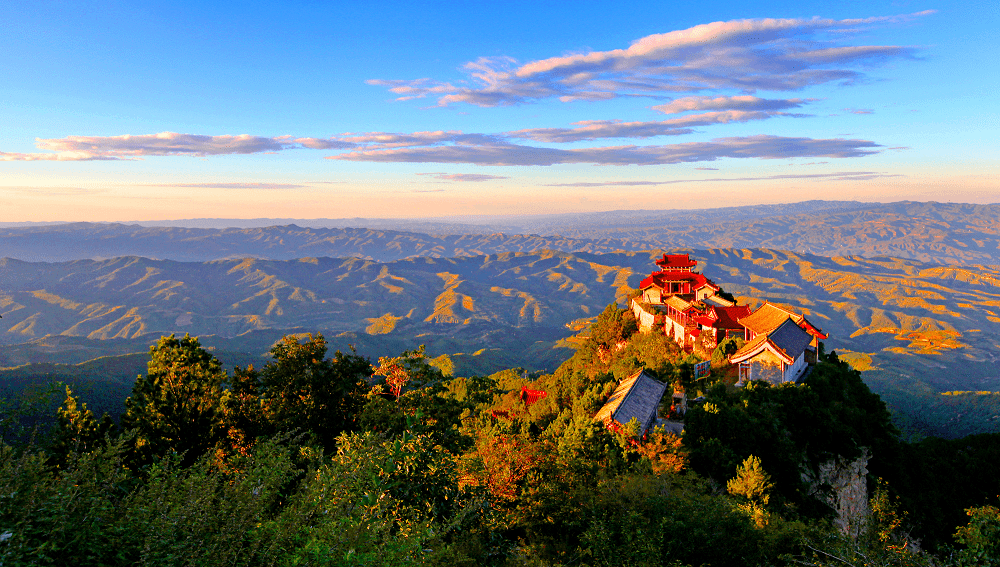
{"type": "Point", "coordinates": [463, 471]}
{"type": "Point", "coordinates": [669, 520]}
{"type": "Point", "coordinates": [178, 406]}
{"type": "Point", "coordinates": [376, 502]}
{"type": "Point", "coordinates": [981, 538]}
{"type": "Point", "coordinates": [727, 347]}
{"type": "Point", "coordinates": [751, 482]}
{"type": "Point", "coordinates": [832, 414]}
{"type": "Point", "coordinates": [77, 430]}
{"type": "Point", "coordinates": [962, 473]}
{"type": "Point", "coordinates": [299, 389]}
{"type": "Point", "coordinates": [26, 416]}
{"type": "Point", "coordinates": [658, 354]}
{"type": "Point", "coordinates": [69, 517]}
{"type": "Point", "coordinates": [612, 326]}
{"type": "Point", "coordinates": [444, 364]}
{"type": "Point", "coordinates": [412, 368]}
{"type": "Point", "coordinates": [474, 391]}
{"type": "Point", "coordinates": [511, 378]}
{"type": "Point", "coordinates": [204, 515]}
{"type": "Point", "coordinates": [425, 411]}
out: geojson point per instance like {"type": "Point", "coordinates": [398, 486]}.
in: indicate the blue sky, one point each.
{"type": "Point", "coordinates": [161, 110]}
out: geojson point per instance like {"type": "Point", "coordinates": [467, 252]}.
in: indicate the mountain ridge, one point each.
{"type": "Point", "coordinates": [944, 233]}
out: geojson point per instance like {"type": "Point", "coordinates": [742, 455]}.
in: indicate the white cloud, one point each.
{"type": "Point", "coordinates": [595, 129]}
{"type": "Point", "coordinates": [381, 140]}
{"type": "Point", "coordinates": [741, 55]}
{"type": "Point", "coordinates": [745, 102]}
{"type": "Point", "coordinates": [82, 148]}
{"type": "Point", "coordinates": [60, 156]}
{"type": "Point", "coordinates": [163, 144]}
{"type": "Point", "coordinates": [760, 147]}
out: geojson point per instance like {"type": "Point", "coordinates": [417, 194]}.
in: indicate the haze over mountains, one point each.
{"type": "Point", "coordinates": [932, 232]}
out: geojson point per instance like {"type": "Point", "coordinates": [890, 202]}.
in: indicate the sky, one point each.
{"type": "Point", "coordinates": [118, 111]}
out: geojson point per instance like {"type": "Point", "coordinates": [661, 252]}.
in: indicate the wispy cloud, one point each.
{"type": "Point", "coordinates": [235, 185]}
{"type": "Point", "coordinates": [761, 147]}
{"type": "Point", "coordinates": [86, 148]}
{"type": "Point", "coordinates": [474, 177]}
{"type": "Point", "coordinates": [744, 102]}
{"type": "Point", "coordinates": [839, 176]}
{"type": "Point", "coordinates": [741, 55]}
{"type": "Point", "coordinates": [382, 140]}
{"type": "Point", "coordinates": [859, 110]}
{"type": "Point", "coordinates": [61, 156]}
{"type": "Point", "coordinates": [163, 144]}
{"type": "Point", "coordinates": [595, 129]}
{"type": "Point", "coordinates": [480, 149]}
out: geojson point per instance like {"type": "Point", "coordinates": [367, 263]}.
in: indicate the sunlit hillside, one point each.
{"type": "Point", "coordinates": [918, 330]}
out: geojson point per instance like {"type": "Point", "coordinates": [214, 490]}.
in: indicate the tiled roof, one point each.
{"type": "Point", "coordinates": [677, 303]}
{"type": "Point", "coordinates": [787, 341]}
{"type": "Point", "coordinates": [637, 396]}
{"type": "Point", "coordinates": [729, 317]}
{"type": "Point", "coordinates": [676, 261]}
{"type": "Point", "coordinates": [705, 321]}
{"type": "Point", "coordinates": [718, 301]}
{"type": "Point", "coordinates": [790, 338]}
{"type": "Point", "coordinates": [769, 316]}
{"type": "Point", "coordinates": [658, 279]}
{"type": "Point", "coordinates": [750, 349]}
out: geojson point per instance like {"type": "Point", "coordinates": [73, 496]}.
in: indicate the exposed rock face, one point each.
{"type": "Point", "coordinates": [841, 484]}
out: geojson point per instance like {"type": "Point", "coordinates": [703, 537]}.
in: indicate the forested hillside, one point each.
{"type": "Point", "coordinates": [335, 459]}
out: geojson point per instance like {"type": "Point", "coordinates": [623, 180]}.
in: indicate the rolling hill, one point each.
{"type": "Point", "coordinates": [918, 330]}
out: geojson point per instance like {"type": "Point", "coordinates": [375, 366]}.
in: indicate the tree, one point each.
{"type": "Point", "coordinates": [981, 537]}
{"type": "Point", "coordinates": [77, 430]}
{"type": "Point", "coordinates": [300, 389]}
{"type": "Point", "coordinates": [612, 326]}
{"type": "Point", "coordinates": [753, 483]}
{"type": "Point", "coordinates": [179, 405]}
{"type": "Point", "coordinates": [831, 415]}
{"type": "Point", "coordinates": [727, 347]}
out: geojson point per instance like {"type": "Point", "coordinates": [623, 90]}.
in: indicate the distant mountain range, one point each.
{"type": "Point", "coordinates": [932, 232]}
{"type": "Point", "coordinates": [919, 326]}
{"type": "Point", "coordinates": [918, 329]}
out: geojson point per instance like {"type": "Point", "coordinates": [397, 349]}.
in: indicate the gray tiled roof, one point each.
{"type": "Point", "coordinates": [790, 338]}
{"type": "Point", "coordinates": [637, 396]}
